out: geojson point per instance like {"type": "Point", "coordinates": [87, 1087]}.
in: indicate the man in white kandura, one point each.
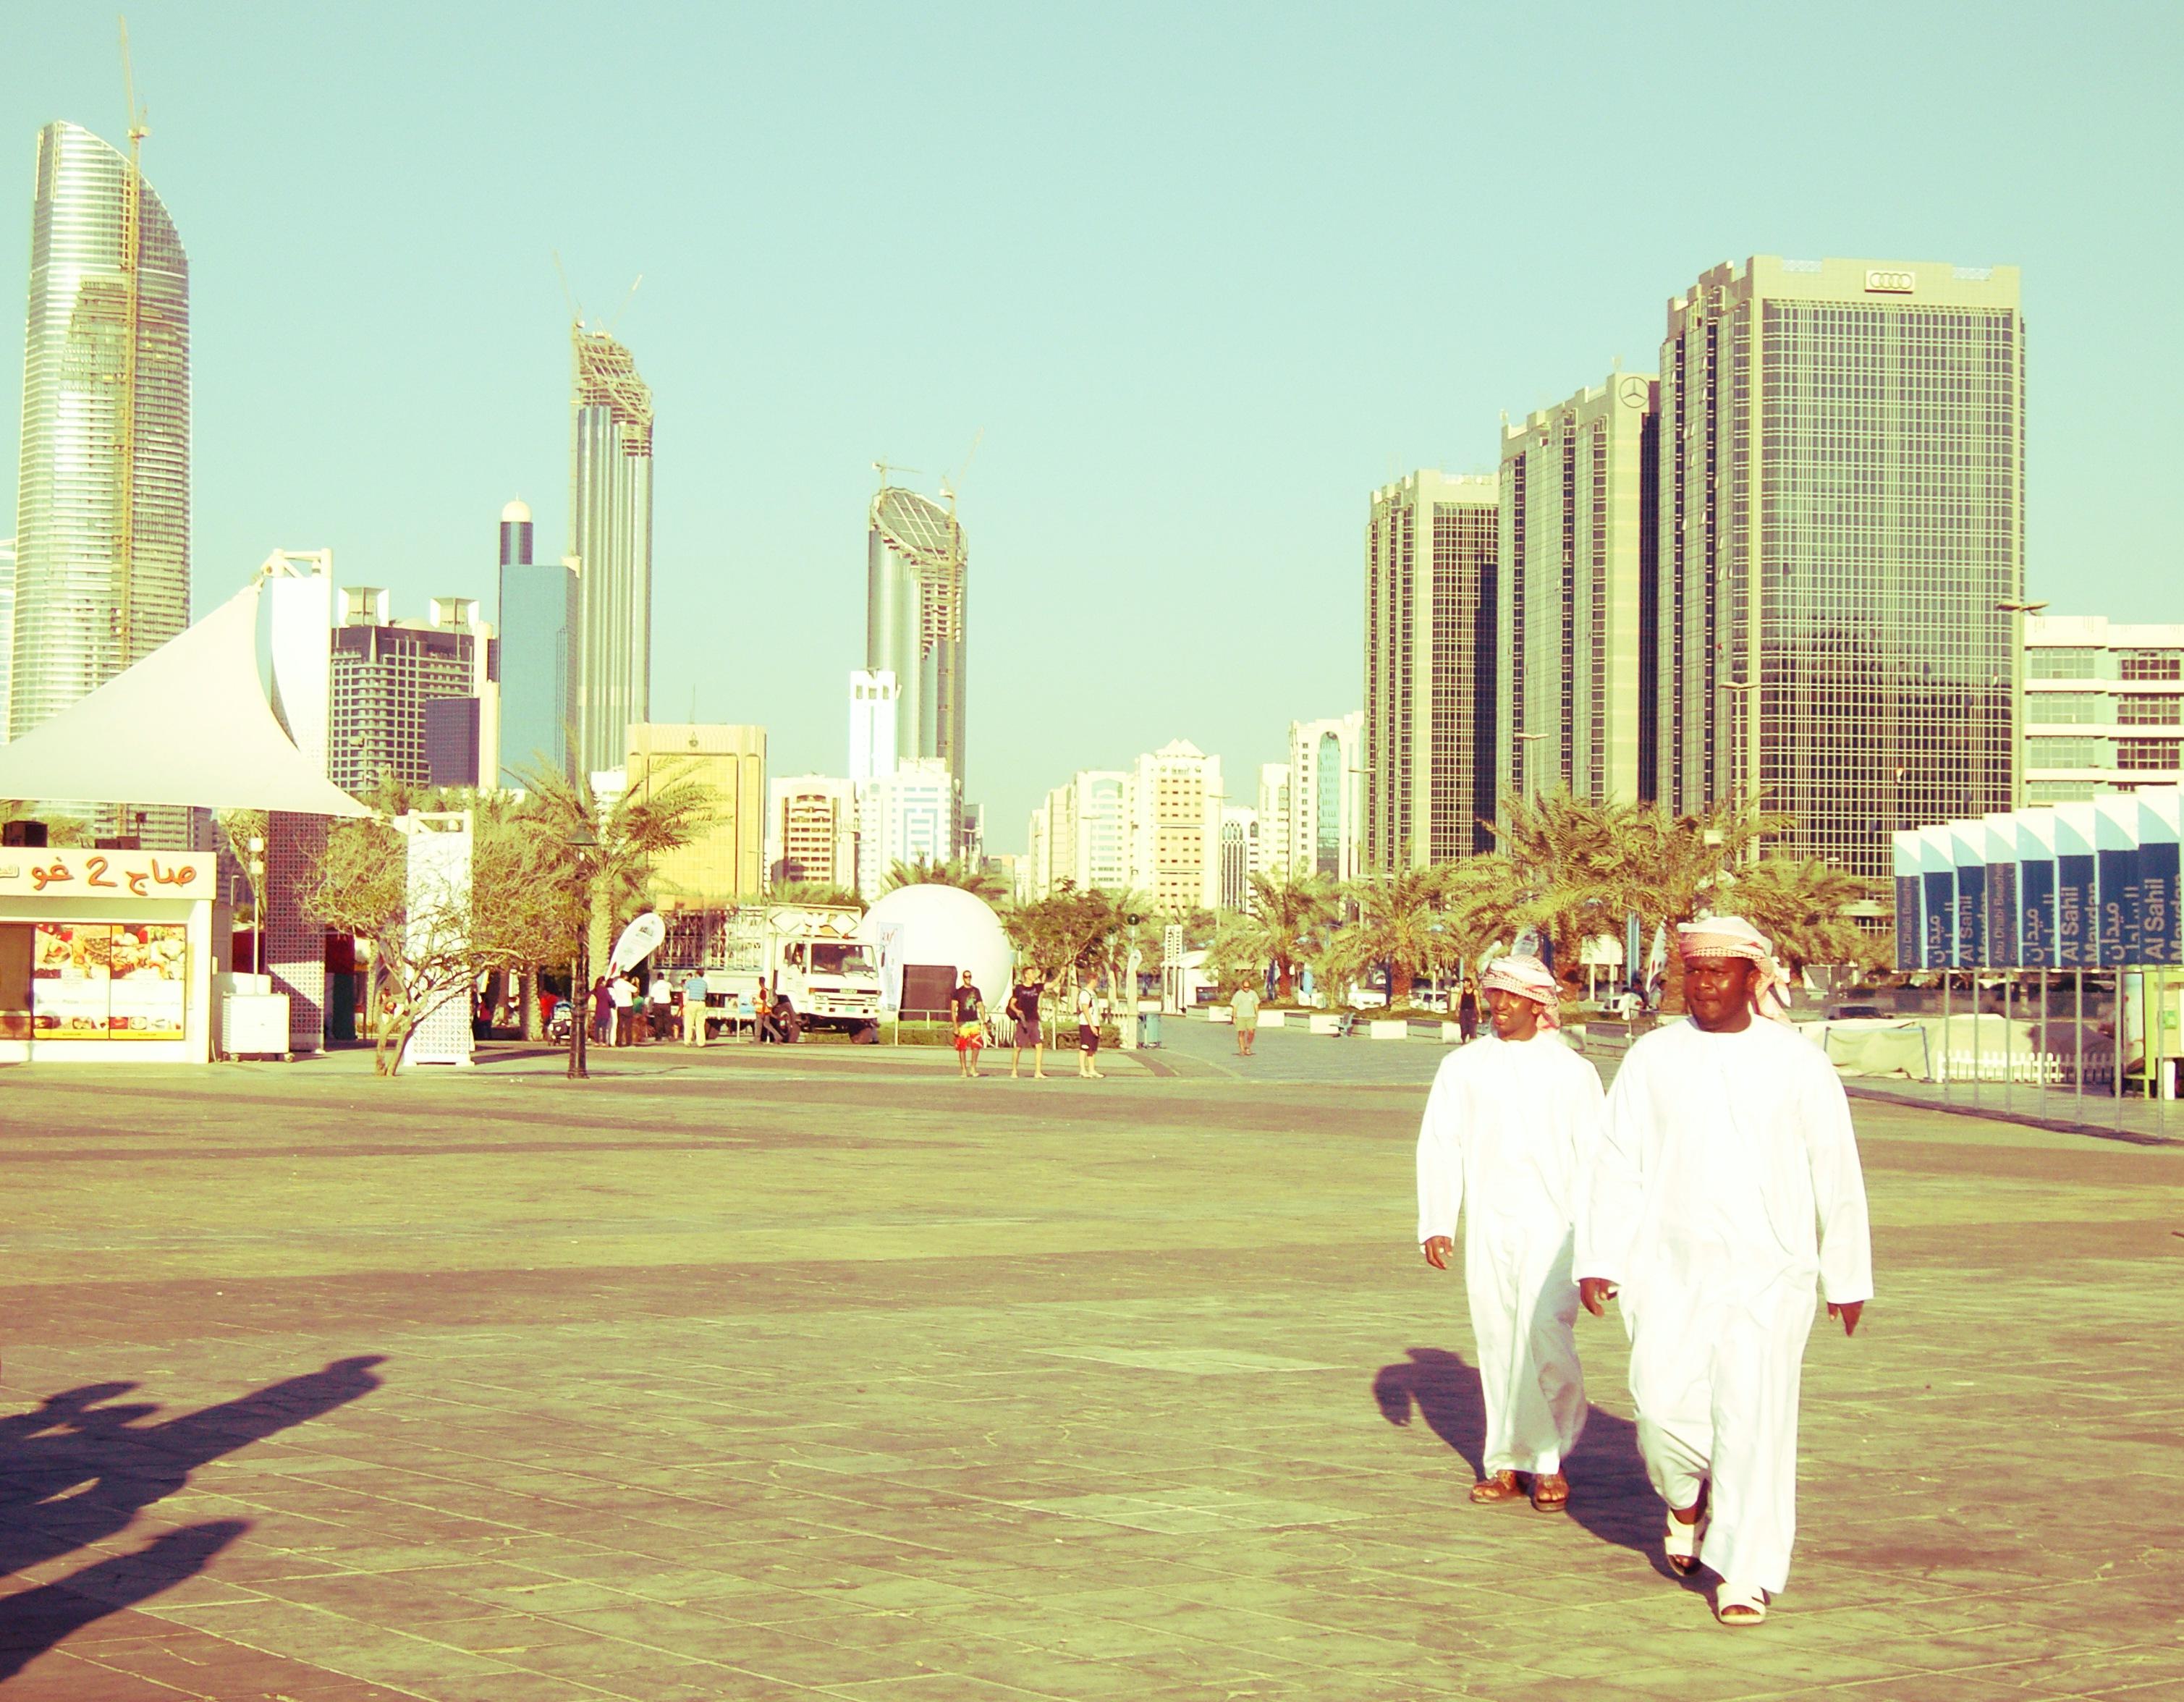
{"type": "Point", "coordinates": [1508, 1129]}
{"type": "Point", "coordinates": [1725, 1187]}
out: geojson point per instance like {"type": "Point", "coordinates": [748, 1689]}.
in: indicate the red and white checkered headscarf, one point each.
{"type": "Point", "coordinates": [1528, 978]}
{"type": "Point", "coordinates": [1732, 937]}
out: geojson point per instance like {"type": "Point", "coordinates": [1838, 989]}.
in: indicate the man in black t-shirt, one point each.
{"type": "Point", "coordinates": [969, 1005]}
{"type": "Point", "coordinates": [1023, 1009]}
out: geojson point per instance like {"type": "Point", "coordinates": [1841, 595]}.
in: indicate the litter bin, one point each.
{"type": "Point", "coordinates": [1149, 1023]}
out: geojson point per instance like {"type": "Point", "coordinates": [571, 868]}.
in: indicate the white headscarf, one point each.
{"type": "Point", "coordinates": [1732, 937]}
{"type": "Point", "coordinates": [1528, 978]}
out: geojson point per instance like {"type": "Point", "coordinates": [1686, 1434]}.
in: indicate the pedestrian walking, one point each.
{"type": "Point", "coordinates": [1466, 1012]}
{"type": "Point", "coordinates": [1243, 1011]}
{"type": "Point", "coordinates": [1724, 1192]}
{"type": "Point", "coordinates": [602, 1013]}
{"type": "Point", "coordinates": [1091, 1013]}
{"type": "Point", "coordinates": [622, 991]}
{"type": "Point", "coordinates": [968, 1005]}
{"type": "Point", "coordinates": [695, 993]}
{"type": "Point", "coordinates": [1023, 1010]}
{"type": "Point", "coordinates": [1509, 1129]}
{"type": "Point", "coordinates": [659, 1007]}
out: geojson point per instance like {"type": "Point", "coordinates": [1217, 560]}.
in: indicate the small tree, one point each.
{"type": "Point", "coordinates": [430, 947]}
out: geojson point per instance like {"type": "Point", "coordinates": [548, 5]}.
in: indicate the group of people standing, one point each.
{"type": "Point", "coordinates": [1715, 1194]}
{"type": "Point", "coordinates": [1023, 1012]}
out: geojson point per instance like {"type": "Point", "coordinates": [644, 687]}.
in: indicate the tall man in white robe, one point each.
{"type": "Point", "coordinates": [1724, 1189]}
{"type": "Point", "coordinates": [1507, 1131]}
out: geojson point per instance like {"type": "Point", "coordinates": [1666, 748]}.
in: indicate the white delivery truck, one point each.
{"type": "Point", "coordinates": [807, 953]}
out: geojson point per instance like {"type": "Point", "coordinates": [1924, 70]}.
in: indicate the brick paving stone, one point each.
{"type": "Point", "coordinates": [818, 1372]}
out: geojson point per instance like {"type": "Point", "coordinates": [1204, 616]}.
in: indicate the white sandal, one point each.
{"type": "Point", "coordinates": [1734, 1605]}
{"type": "Point", "coordinates": [1682, 1543]}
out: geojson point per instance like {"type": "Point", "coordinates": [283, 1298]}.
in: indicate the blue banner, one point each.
{"type": "Point", "coordinates": [1937, 875]}
{"type": "Point", "coordinates": [2161, 814]}
{"type": "Point", "coordinates": [2121, 938]}
{"type": "Point", "coordinates": [1968, 848]}
{"type": "Point", "coordinates": [2035, 889]}
{"type": "Point", "coordinates": [2075, 887]}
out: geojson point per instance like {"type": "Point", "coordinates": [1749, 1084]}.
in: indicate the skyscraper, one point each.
{"type": "Point", "coordinates": [916, 564]}
{"type": "Point", "coordinates": [1574, 624]}
{"type": "Point", "coordinates": [102, 511]}
{"type": "Point", "coordinates": [1842, 516]}
{"type": "Point", "coordinates": [611, 538]}
{"type": "Point", "coordinates": [7, 626]}
{"type": "Point", "coordinates": [1174, 799]}
{"type": "Point", "coordinates": [415, 700]}
{"type": "Point", "coordinates": [811, 831]}
{"type": "Point", "coordinates": [541, 616]}
{"type": "Point", "coordinates": [1429, 704]}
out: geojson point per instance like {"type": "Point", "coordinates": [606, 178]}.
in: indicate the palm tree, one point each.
{"type": "Point", "coordinates": [923, 871]}
{"type": "Point", "coordinates": [1400, 925]}
{"type": "Point", "coordinates": [812, 893]}
{"type": "Point", "coordinates": [1287, 917]}
{"type": "Point", "coordinates": [1804, 906]}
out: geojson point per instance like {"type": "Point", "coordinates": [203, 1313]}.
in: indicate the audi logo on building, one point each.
{"type": "Point", "coordinates": [1890, 283]}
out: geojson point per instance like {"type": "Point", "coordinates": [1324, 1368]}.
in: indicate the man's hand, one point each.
{"type": "Point", "coordinates": [1595, 1291]}
{"type": "Point", "coordinates": [1848, 1312]}
{"type": "Point", "coordinates": [1437, 1250]}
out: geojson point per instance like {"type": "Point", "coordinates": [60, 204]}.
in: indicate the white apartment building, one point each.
{"type": "Point", "coordinates": [1274, 811]}
{"type": "Point", "coordinates": [1324, 824]}
{"type": "Point", "coordinates": [875, 702]}
{"type": "Point", "coordinates": [914, 812]}
{"type": "Point", "coordinates": [811, 831]}
{"type": "Point", "coordinates": [1176, 796]}
{"type": "Point", "coordinates": [1239, 855]}
{"type": "Point", "coordinates": [2104, 707]}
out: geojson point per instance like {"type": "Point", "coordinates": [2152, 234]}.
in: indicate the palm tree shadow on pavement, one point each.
{"type": "Point", "coordinates": [1609, 1495]}
{"type": "Point", "coordinates": [77, 1470]}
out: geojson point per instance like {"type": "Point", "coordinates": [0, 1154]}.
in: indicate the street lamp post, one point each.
{"type": "Point", "coordinates": [583, 842]}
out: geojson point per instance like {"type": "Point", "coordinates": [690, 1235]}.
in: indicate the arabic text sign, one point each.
{"type": "Point", "coordinates": [72, 873]}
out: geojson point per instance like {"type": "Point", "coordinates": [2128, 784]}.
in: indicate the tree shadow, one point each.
{"type": "Point", "coordinates": [1610, 1497]}
{"type": "Point", "coordinates": [78, 1469]}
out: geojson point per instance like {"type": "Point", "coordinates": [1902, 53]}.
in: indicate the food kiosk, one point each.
{"type": "Point", "coordinates": [108, 955]}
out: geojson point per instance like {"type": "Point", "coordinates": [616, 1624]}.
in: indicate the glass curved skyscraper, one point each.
{"type": "Point", "coordinates": [102, 514]}
{"type": "Point", "coordinates": [610, 536]}
{"type": "Point", "coordinates": [915, 565]}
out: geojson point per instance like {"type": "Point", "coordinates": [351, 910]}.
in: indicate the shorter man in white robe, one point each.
{"type": "Point", "coordinates": [1724, 1189]}
{"type": "Point", "coordinates": [1508, 1129]}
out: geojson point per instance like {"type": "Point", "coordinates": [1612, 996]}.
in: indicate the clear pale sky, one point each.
{"type": "Point", "coordinates": [1205, 276]}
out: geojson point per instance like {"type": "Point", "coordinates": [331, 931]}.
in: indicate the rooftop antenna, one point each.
{"type": "Point", "coordinates": [624, 308]}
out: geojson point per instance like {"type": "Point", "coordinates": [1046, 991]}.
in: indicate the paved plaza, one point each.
{"type": "Point", "coordinates": [814, 1371]}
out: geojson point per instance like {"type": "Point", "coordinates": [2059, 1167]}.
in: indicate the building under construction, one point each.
{"type": "Point", "coordinates": [916, 567]}
{"type": "Point", "coordinates": [610, 540]}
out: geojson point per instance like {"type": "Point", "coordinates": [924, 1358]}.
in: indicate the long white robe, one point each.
{"type": "Point", "coordinates": [1507, 1130]}
{"type": "Point", "coordinates": [1724, 1187]}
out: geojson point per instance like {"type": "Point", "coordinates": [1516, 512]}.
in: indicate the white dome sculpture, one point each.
{"type": "Point", "coordinates": [517, 513]}
{"type": "Point", "coordinates": [940, 928]}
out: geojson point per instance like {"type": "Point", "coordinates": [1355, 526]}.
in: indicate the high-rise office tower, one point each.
{"type": "Point", "coordinates": [1274, 812]}
{"type": "Point", "coordinates": [611, 538]}
{"type": "Point", "coordinates": [1574, 620]}
{"type": "Point", "coordinates": [1841, 515]}
{"type": "Point", "coordinates": [416, 701]}
{"type": "Point", "coordinates": [911, 814]}
{"type": "Point", "coordinates": [7, 626]}
{"type": "Point", "coordinates": [541, 617]}
{"type": "Point", "coordinates": [1081, 834]}
{"type": "Point", "coordinates": [1325, 822]}
{"type": "Point", "coordinates": [916, 564]}
{"type": "Point", "coordinates": [102, 511]}
{"type": "Point", "coordinates": [1239, 855]}
{"type": "Point", "coordinates": [1430, 589]}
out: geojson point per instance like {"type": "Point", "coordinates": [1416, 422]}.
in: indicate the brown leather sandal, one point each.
{"type": "Point", "coordinates": [1550, 1493]}
{"type": "Point", "coordinates": [1494, 1489]}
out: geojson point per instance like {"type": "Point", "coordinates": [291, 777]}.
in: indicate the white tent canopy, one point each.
{"type": "Point", "coordinates": [189, 724]}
